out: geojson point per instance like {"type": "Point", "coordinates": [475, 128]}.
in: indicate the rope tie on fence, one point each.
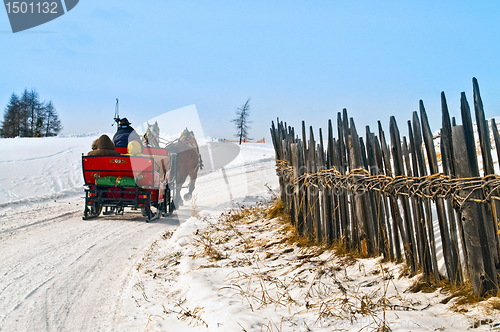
{"type": "Point", "coordinates": [433, 186]}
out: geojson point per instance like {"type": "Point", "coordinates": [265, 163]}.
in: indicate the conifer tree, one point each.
{"type": "Point", "coordinates": [27, 116]}
{"type": "Point", "coordinates": [11, 124]}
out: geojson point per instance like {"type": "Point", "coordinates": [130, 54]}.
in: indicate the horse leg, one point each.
{"type": "Point", "coordinates": [179, 181]}
{"type": "Point", "coordinates": [192, 180]}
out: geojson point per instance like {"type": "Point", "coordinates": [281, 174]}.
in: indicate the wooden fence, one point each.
{"type": "Point", "coordinates": [414, 199]}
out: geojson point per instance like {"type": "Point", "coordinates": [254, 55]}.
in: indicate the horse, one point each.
{"type": "Point", "coordinates": [187, 161]}
{"type": "Point", "coordinates": [151, 137]}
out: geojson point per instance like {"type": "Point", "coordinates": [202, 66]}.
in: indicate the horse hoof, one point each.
{"type": "Point", "coordinates": [187, 197]}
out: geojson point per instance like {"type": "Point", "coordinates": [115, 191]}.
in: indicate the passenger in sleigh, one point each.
{"type": "Point", "coordinates": [103, 146]}
{"type": "Point", "coordinates": [125, 134]}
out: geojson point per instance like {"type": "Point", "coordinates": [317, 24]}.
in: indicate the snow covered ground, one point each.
{"type": "Point", "coordinates": [199, 270]}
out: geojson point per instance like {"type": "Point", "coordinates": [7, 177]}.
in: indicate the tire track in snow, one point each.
{"type": "Point", "coordinates": [47, 220]}
{"type": "Point", "coordinates": [37, 158]}
{"type": "Point", "coordinates": [62, 273]}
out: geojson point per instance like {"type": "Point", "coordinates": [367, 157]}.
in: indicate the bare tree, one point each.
{"type": "Point", "coordinates": [242, 122]}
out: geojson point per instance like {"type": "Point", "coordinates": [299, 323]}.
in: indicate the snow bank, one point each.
{"type": "Point", "coordinates": [225, 273]}
{"type": "Point", "coordinates": [35, 169]}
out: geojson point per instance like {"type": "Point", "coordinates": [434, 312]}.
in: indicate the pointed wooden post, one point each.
{"type": "Point", "coordinates": [482, 271]}
{"type": "Point", "coordinates": [345, 216]}
{"type": "Point", "coordinates": [331, 162]}
{"type": "Point", "coordinates": [395, 214]}
{"type": "Point", "coordinates": [354, 226]}
{"type": "Point", "coordinates": [484, 140]}
{"type": "Point", "coordinates": [384, 207]}
{"type": "Point", "coordinates": [406, 227]}
{"type": "Point", "coordinates": [298, 187]}
{"type": "Point", "coordinates": [313, 191]}
{"type": "Point", "coordinates": [327, 214]}
{"type": "Point", "coordinates": [377, 207]}
{"type": "Point", "coordinates": [364, 218]}
{"type": "Point", "coordinates": [446, 147]}
{"type": "Point", "coordinates": [422, 171]}
{"type": "Point", "coordinates": [308, 229]}
{"type": "Point", "coordinates": [450, 255]}
{"type": "Point", "coordinates": [417, 217]}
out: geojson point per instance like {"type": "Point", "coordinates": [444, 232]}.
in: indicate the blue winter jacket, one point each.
{"type": "Point", "coordinates": [124, 135]}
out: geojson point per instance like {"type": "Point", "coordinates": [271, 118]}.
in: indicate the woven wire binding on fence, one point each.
{"type": "Point", "coordinates": [432, 186]}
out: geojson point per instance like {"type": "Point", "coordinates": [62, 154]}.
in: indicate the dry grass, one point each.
{"type": "Point", "coordinates": [192, 316]}
{"type": "Point", "coordinates": [209, 246]}
{"type": "Point", "coordinates": [316, 280]}
{"type": "Point", "coordinates": [461, 297]}
{"type": "Point", "coordinates": [428, 286]}
{"type": "Point", "coordinates": [276, 210]}
{"type": "Point", "coordinates": [194, 206]}
{"type": "Point", "coordinates": [213, 240]}
{"type": "Point", "coordinates": [308, 278]}
{"type": "Point", "coordinates": [167, 235]}
{"type": "Point", "coordinates": [494, 304]}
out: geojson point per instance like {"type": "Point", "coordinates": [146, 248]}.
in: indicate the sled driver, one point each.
{"type": "Point", "coordinates": [125, 134]}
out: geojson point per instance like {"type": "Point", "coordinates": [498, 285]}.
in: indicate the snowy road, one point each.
{"type": "Point", "coordinates": [61, 273]}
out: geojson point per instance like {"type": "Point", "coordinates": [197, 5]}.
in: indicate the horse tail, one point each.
{"type": "Point", "coordinates": [200, 161]}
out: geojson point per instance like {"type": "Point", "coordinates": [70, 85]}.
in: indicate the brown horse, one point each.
{"type": "Point", "coordinates": [186, 160]}
{"type": "Point", "coordinates": [187, 163]}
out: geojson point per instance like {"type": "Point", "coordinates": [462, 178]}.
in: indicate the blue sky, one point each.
{"type": "Point", "coordinates": [297, 60]}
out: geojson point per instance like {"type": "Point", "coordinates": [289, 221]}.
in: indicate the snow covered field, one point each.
{"type": "Point", "coordinates": [193, 271]}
